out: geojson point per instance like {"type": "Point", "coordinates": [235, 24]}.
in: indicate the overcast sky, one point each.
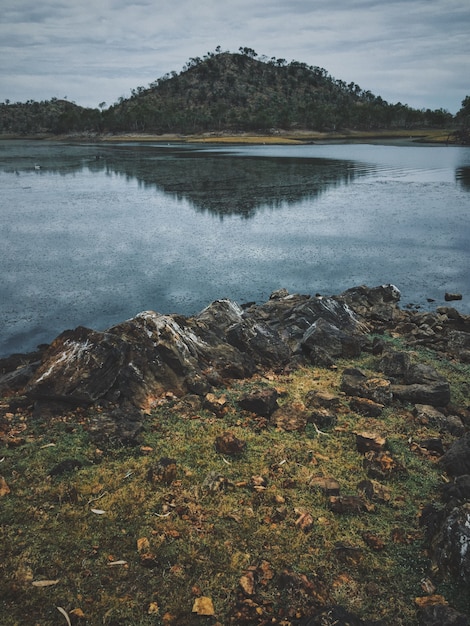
{"type": "Point", "coordinates": [412, 51]}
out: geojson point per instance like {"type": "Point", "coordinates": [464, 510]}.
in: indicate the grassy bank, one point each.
{"type": "Point", "coordinates": [119, 537]}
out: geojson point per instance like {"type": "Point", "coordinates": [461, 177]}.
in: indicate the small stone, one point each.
{"type": "Point", "coordinates": [347, 504]}
{"type": "Point", "coordinates": [228, 443]}
{"type": "Point", "coordinates": [259, 483]}
{"type": "Point", "coordinates": [366, 441]}
{"type": "Point", "coordinates": [449, 297]}
{"type": "Point", "coordinates": [216, 405]}
{"type": "Point", "coordinates": [163, 472]}
{"type": "Point", "coordinates": [329, 486]}
{"type": "Point", "coordinates": [148, 559]}
{"type": "Point", "coordinates": [374, 491]}
{"type": "Point", "coordinates": [366, 407]}
{"type": "Point", "coordinates": [260, 401]}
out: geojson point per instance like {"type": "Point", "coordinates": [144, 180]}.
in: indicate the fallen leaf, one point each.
{"type": "Point", "coordinates": [153, 609]}
{"type": "Point", "coordinates": [44, 583]}
{"type": "Point", "coordinates": [428, 586]}
{"type": "Point", "coordinates": [143, 544]}
{"type": "Point", "coordinates": [203, 606]}
{"type": "Point", "coordinates": [305, 521]}
{"type": "Point", "coordinates": [430, 601]}
{"type": "Point", "coordinates": [78, 613]}
{"type": "Point", "coordinates": [98, 511]}
{"type": "Point", "coordinates": [247, 583]}
{"type": "Point", "coordinates": [4, 488]}
{"type": "Point", "coordinates": [65, 614]}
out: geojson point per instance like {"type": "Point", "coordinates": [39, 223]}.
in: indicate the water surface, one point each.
{"type": "Point", "coordinates": [93, 234]}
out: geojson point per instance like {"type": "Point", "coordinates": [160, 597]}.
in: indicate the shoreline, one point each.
{"type": "Point", "coordinates": [277, 136]}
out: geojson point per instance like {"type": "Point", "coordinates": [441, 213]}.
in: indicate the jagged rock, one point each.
{"type": "Point", "coordinates": [395, 365]}
{"type": "Point", "coordinates": [428, 415]}
{"type": "Point", "coordinates": [458, 343]}
{"type": "Point", "coordinates": [262, 344]}
{"type": "Point", "coordinates": [377, 305]}
{"type": "Point", "coordinates": [13, 381]}
{"type": "Point", "coordinates": [451, 549]}
{"type": "Point", "coordinates": [414, 383]}
{"type": "Point", "coordinates": [435, 394]}
{"type": "Point", "coordinates": [262, 401]}
{"type": "Point", "coordinates": [456, 461]}
{"type": "Point", "coordinates": [141, 359]}
{"type": "Point", "coordinates": [323, 342]}
{"type": "Point", "coordinates": [355, 383]}
{"type": "Point", "coordinates": [453, 425]}
{"type": "Point", "coordinates": [293, 315]}
{"type": "Point", "coordinates": [79, 366]}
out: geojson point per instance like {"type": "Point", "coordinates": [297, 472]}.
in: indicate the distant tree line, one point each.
{"type": "Point", "coordinates": [56, 116]}
{"type": "Point", "coordinates": [235, 92]}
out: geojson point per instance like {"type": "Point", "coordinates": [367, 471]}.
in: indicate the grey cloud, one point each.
{"type": "Point", "coordinates": [423, 46]}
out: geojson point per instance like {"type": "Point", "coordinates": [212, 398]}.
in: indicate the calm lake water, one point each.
{"type": "Point", "coordinates": [102, 232]}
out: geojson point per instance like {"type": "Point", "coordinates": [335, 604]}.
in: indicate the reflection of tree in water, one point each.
{"type": "Point", "coordinates": [462, 174]}
{"type": "Point", "coordinates": [231, 185]}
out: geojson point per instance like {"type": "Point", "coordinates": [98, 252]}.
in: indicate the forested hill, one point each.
{"type": "Point", "coordinates": [240, 91]}
{"type": "Point", "coordinates": [226, 91]}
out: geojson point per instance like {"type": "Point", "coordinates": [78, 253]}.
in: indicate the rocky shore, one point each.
{"type": "Point", "coordinates": [128, 370]}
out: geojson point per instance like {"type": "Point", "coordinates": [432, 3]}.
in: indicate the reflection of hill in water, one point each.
{"type": "Point", "coordinates": [462, 174]}
{"type": "Point", "coordinates": [226, 184]}
{"type": "Point", "coordinates": [219, 182]}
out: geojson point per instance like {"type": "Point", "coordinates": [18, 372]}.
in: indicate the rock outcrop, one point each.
{"type": "Point", "coordinates": [141, 359]}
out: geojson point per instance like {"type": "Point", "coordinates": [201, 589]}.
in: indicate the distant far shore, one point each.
{"type": "Point", "coordinates": [430, 136]}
